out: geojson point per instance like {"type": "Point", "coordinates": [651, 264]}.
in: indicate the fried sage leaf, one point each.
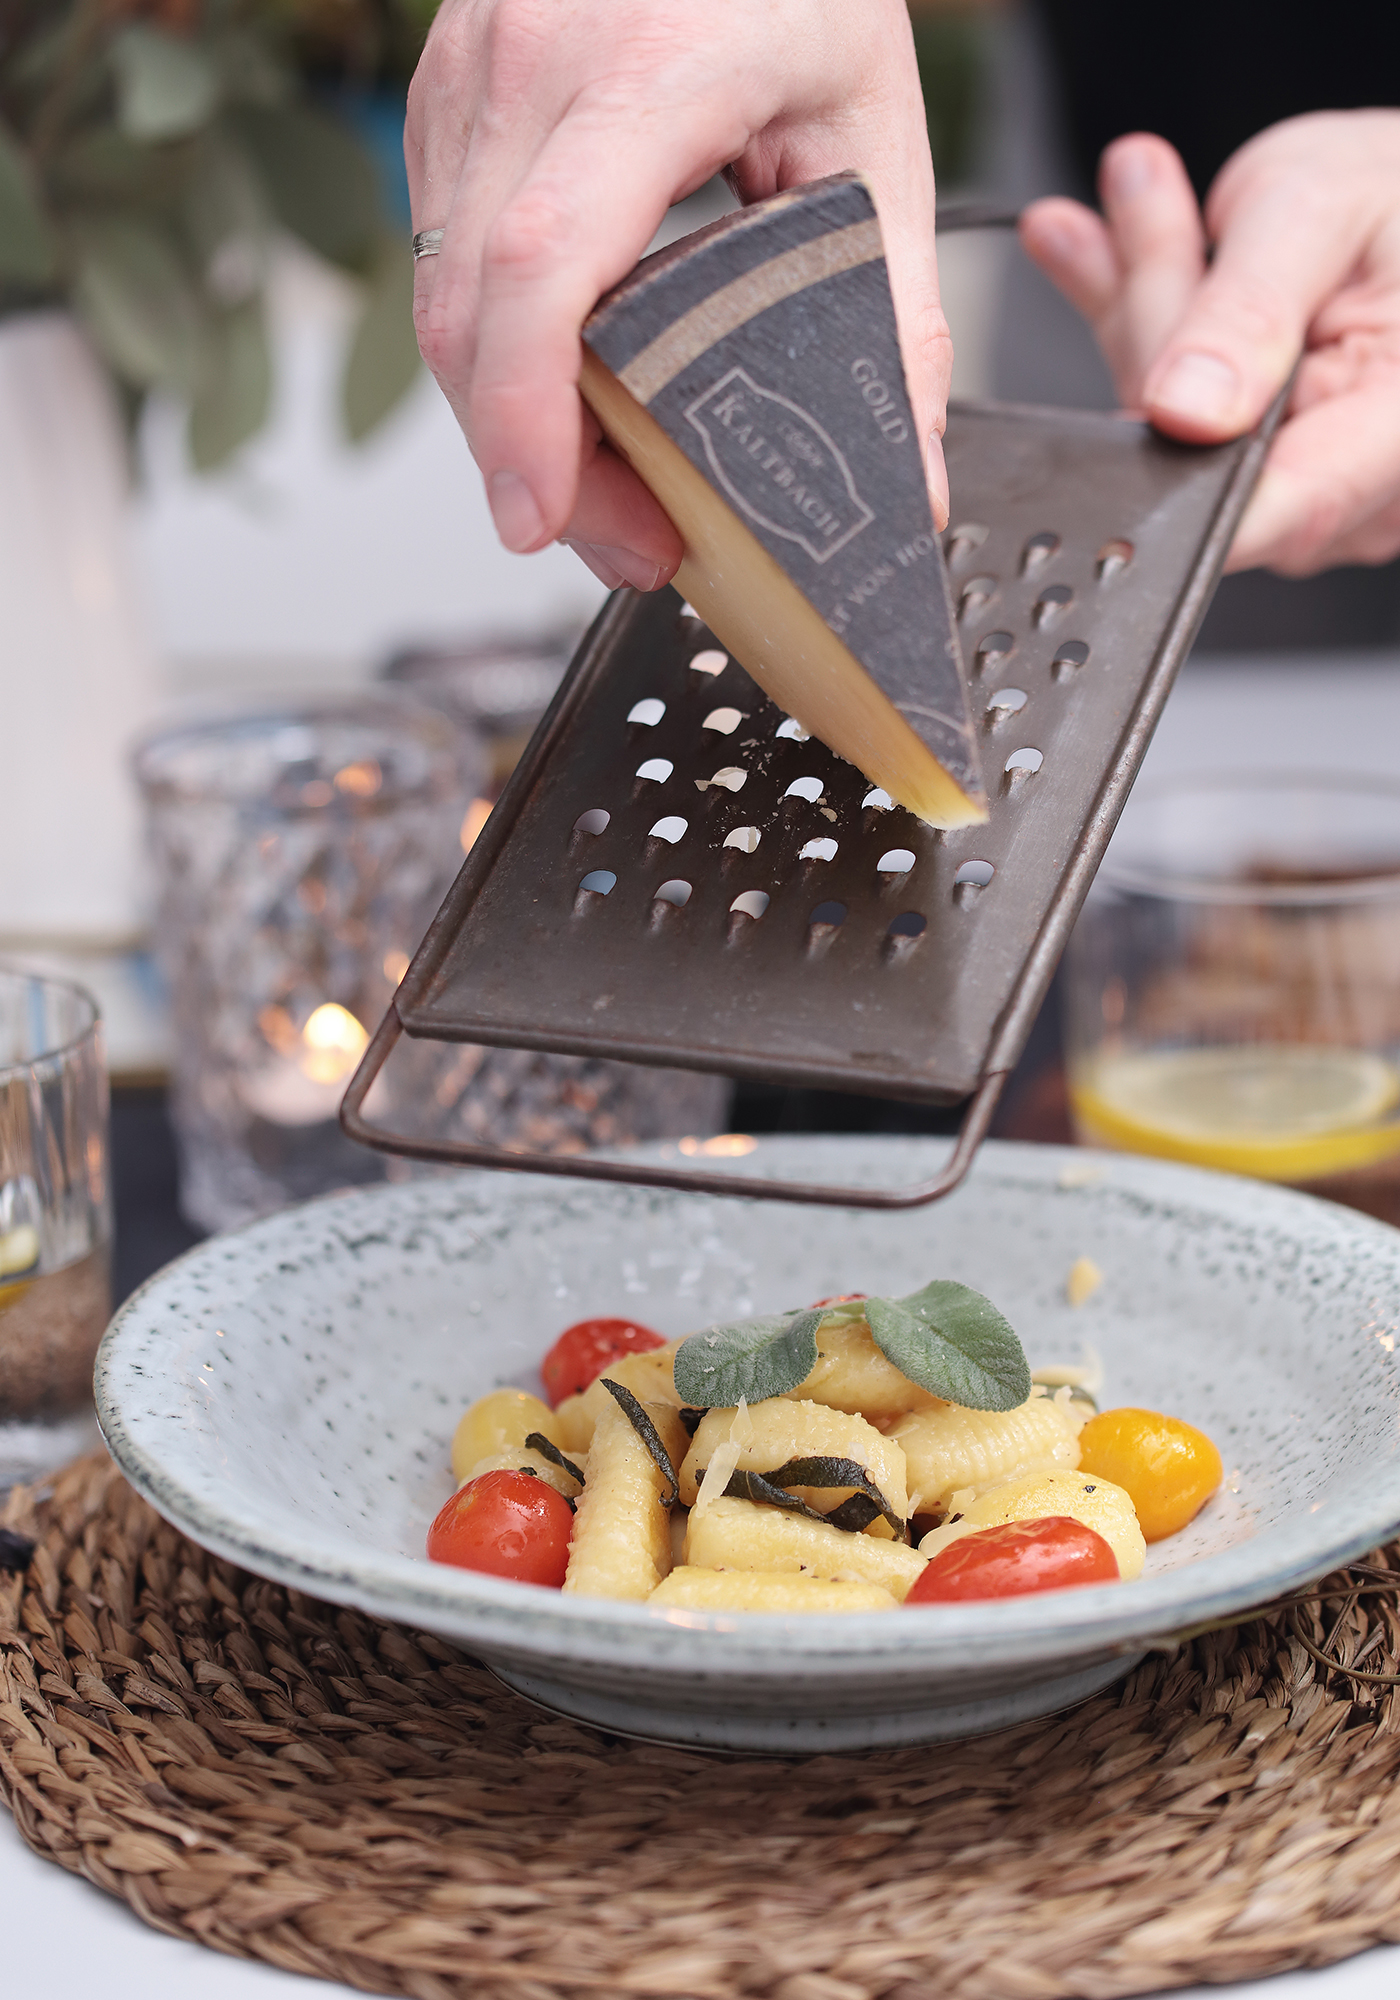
{"type": "Point", "coordinates": [537, 1441]}
{"type": "Point", "coordinates": [646, 1430]}
{"type": "Point", "coordinates": [829, 1471]}
{"type": "Point", "coordinates": [753, 1486]}
{"type": "Point", "coordinates": [750, 1359]}
{"type": "Point", "coordinates": [953, 1342]}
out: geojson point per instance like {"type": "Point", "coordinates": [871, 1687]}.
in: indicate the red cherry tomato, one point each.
{"type": "Point", "coordinates": [507, 1524]}
{"type": "Point", "coordinates": [584, 1350]}
{"type": "Point", "coordinates": [1014, 1560]}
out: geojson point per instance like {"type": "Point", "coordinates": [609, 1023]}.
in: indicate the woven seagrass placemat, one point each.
{"type": "Point", "coordinates": [294, 1783]}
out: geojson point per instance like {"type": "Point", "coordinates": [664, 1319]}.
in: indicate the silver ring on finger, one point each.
{"type": "Point", "coordinates": [427, 243]}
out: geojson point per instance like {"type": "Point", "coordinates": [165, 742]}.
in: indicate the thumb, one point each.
{"type": "Point", "coordinates": [1277, 260]}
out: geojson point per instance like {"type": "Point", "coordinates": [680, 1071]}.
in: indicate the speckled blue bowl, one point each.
{"type": "Point", "coordinates": [286, 1395]}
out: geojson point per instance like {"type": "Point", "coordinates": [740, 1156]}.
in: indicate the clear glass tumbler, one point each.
{"type": "Point", "coordinates": [301, 854]}
{"type": "Point", "coordinates": [1234, 984]}
{"type": "Point", "coordinates": [55, 1220]}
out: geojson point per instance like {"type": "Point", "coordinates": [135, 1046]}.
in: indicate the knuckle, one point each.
{"type": "Point", "coordinates": [529, 235]}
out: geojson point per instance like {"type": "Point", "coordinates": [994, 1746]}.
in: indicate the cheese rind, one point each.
{"type": "Point", "coordinates": [752, 377]}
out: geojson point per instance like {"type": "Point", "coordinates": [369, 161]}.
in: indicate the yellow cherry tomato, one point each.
{"type": "Point", "coordinates": [1168, 1468]}
{"type": "Point", "coordinates": [500, 1421]}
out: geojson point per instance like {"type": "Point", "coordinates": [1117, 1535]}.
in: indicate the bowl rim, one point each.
{"type": "Point", "coordinates": [528, 1621]}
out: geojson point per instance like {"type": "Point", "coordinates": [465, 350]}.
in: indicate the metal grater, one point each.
{"type": "Point", "coordinates": [617, 905]}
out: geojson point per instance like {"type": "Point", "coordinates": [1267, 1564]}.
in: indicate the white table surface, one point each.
{"type": "Point", "coordinates": [68, 1940]}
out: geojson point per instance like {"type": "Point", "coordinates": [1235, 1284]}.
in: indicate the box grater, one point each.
{"type": "Point", "coordinates": [676, 875]}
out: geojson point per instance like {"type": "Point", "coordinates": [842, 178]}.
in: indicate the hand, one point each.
{"type": "Point", "coordinates": [549, 137]}
{"type": "Point", "coordinates": [1305, 220]}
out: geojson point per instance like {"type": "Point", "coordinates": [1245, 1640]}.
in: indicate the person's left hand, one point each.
{"type": "Point", "coordinates": [1305, 220]}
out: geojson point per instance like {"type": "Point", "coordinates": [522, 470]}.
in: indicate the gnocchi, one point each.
{"type": "Point", "coordinates": [782, 1464]}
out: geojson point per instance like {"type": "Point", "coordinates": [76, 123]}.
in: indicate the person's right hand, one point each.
{"type": "Point", "coordinates": [1305, 223]}
{"type": "Point", "coordinates": [549, 137]}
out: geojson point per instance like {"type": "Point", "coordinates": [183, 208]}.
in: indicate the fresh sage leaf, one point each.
{"type": "Point", "coordinates": [750, 1358]}
{"type": "Point", "coordinates": [234, 394]}
{"type": "Point", "coordinates": [954, 1343]}
{"type": "Point", "coordinates": [646, 1430]}
{"type": "Point", "coordinates": [384, 362]}
{"type": "Point", "coordinates": [27, 241]}
{"type": "Point", "coordinates": [537, 1441]}
{"type": "Point", "coordinates": [166, 85]}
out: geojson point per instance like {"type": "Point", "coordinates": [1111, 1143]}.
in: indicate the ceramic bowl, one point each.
{"type": "Point", "coordinates": [286, 1395]}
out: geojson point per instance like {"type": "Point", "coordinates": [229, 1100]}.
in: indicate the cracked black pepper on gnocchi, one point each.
{"type": "Point", "coordinates": [855, 1455]}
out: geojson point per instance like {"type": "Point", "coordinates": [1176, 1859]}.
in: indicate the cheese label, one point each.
{"type": "Point", "coordinates": [765, 347]}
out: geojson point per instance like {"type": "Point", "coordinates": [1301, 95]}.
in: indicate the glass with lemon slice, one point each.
{"type": "Point", "coordinates": [1234, 984]}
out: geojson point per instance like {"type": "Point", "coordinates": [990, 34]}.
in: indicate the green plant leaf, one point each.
{"type": "Point", "coordinates": [953, 1342]}
{"type": "Point", "coordinates": [166, 85]}
{"type": "Point", "coordinates": [752, 1358]}
{"type": "Point", "coordinates": [383, 363]}
{"type": "Point", "coordinates": [231, 403]}
{"type": "Point", "coordinates": [139, 302]}
{"type": "Point", "coordinates": [320, 181]}
{"type": "Point", "coordinates": [28, 247]}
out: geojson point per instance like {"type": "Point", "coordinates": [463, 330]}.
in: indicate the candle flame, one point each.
{"type": "Point", "coordinates": [333, 1042]}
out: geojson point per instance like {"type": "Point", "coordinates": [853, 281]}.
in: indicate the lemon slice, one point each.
{"type": "Point", "coordinates": [1279, 1111]}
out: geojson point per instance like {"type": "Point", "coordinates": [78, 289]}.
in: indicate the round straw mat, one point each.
{"type": "Point", "coordinates": [304, 1785]}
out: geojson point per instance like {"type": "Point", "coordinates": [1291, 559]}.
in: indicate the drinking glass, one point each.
{"type": "Point", "coordinates": [55, 1220]}
{"type": "Point", "coordinates": [1233, 984]}
{"type": "Point", "coordinates": [301, 853]}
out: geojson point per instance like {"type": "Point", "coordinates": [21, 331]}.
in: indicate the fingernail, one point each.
{"type": "Point", "coordinates": [519, 522]}
{"type": "Point", "coordinates": [937, 472]}
{"type": "Point", "coordinates": [1130, 173]}
{"type": "Point", "coordinates": [1197, 386]}
{"type": "Point", "coordinates": [640, 571]}
{"type": "Point", "coordinates": [591, 559]}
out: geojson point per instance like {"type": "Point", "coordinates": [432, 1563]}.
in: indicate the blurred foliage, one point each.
{"type": "Point", "coordinates": [950, 43]}
{"type": "Point", "coordinates": [151, 150]}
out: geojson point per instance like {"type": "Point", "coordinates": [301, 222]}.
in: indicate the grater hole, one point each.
{"type": "Point", "coordinates": [745, 838]}
{"type": "Point", "coordinates": [724, 721]}
{"type": "Point", "coordinates": [648, 712]}
{"type": "Point", "coordinates": [897, 861]}
{"type": "Point", "coordinates": [1113, 559]}
{"type": "Point", "coordinates": [877, 800]}
{"type": "Point", "coordinates": [1038, 551]}
{"type": "Point", "coordinates": [593, 821]}
{"type": "Point", "coordinates": [709, 662]}
{"type": "Point", "coordinates": [993, 650]}
{"type": "Point", "coordinates": [904, 933]}
{"type": "Point", "coordinates": [977, 593]}
{"type": "Point", "coordinates": [972, 876]}
{"type": "Point", "coordinates": [963, 542]}
{"type": "Point", "coordinates": [822, 849]}
{"type": "Point", "coordinates": [1068, 658]}
{"type": "Point", "coordinates": [793, 730]}
{"type": "Point", "coordinates": [689, 611]}
{"type": "Point", "coordinates": [751, 903]}
{"type": "Point", "coordinates": [1023, 763]}
{"type": "Point", "coordinates": [677, 893]}
{"type": "Point", "coordinates": [1051, 602]}
{"type": "Point", "coordinates": [601, 882]}
{"type": "Point", "coordinates": [657, 769]}
{"type": "Point", "coordinates": [731, 778]}
{"type": "Point", "coordinates": [805, 788]}
{"type": "Point", "coordinates": [827, 917]}
{"type": "Point", "coordinates": [1006, 701]}
{"type": "Point", "coordinates": [671, 828]}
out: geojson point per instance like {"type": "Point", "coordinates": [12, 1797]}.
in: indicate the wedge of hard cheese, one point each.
{"type": "Point", "coordinates": [751, 375]}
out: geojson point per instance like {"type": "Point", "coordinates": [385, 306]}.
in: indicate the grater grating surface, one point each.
{"type": "Point", "coordinates": [766, 916]}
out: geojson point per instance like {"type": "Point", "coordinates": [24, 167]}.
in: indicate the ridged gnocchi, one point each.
{"type": "Point", "coordinates": [1096, 1502]}
{"type": "Point", "coordinates": [622, 1530]}
{"type": "Point", "coordinates": [949, 1449]}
